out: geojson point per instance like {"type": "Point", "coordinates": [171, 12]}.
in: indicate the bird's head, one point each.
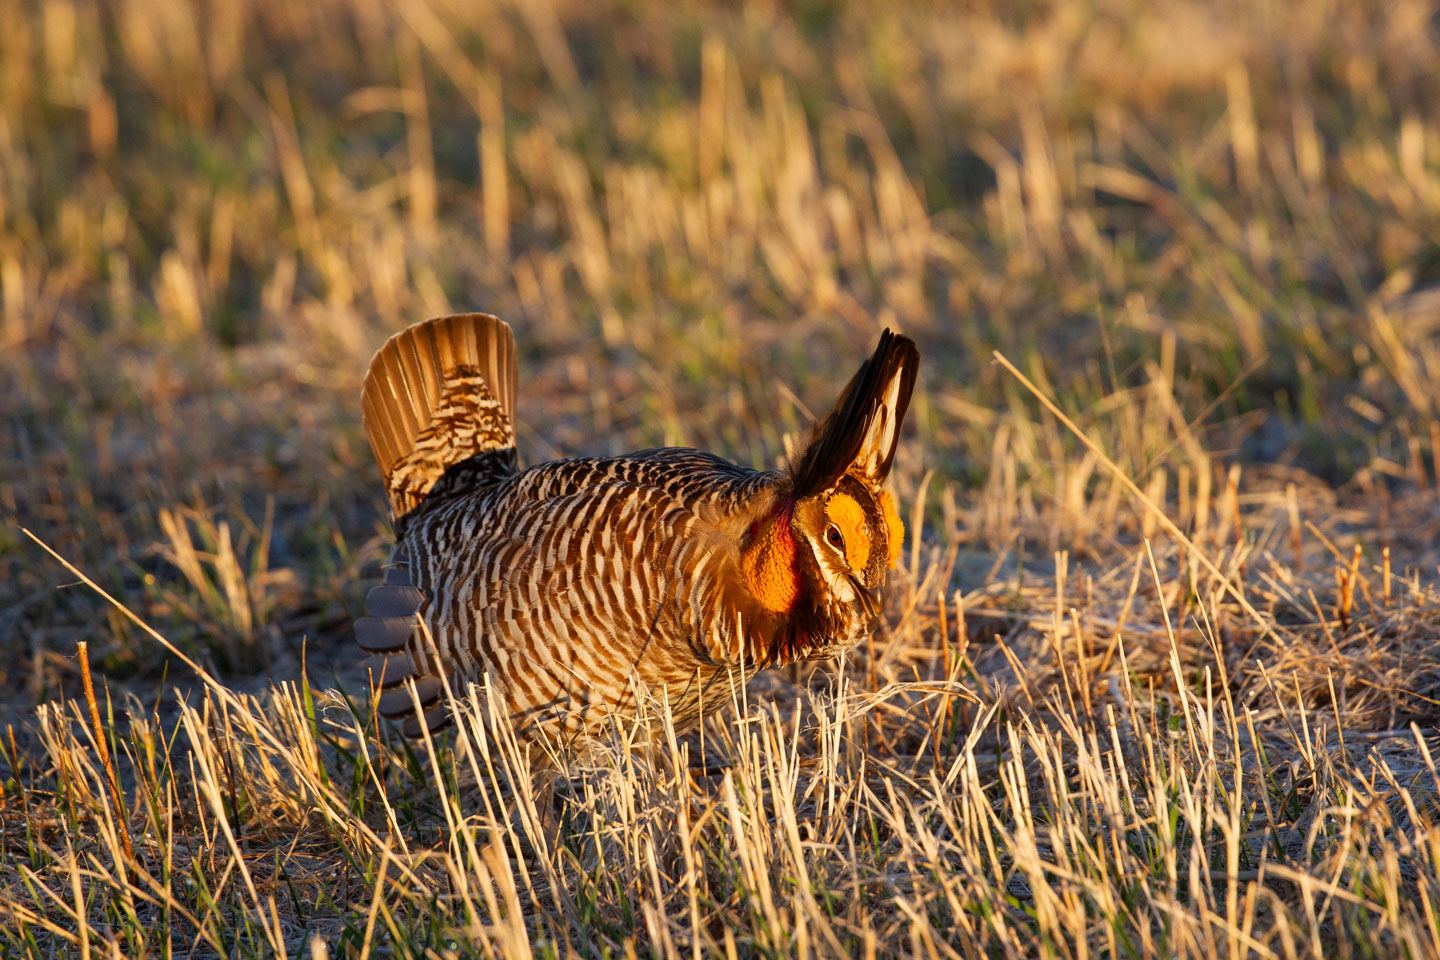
{"type": "Point", "coordinates": [817, 558]}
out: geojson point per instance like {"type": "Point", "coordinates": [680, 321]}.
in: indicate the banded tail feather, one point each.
{"type": "Point", "coordinates": [438, 394]}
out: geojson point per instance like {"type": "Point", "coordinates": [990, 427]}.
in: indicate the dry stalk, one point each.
{"type": "Point", "coordinates": [1346, 588]}
{"type": "Point", "coordinates": [1385, 557]}
{"type": "Point", "coordinates": [1435, 456]}
{"type": "Point", "coordinates": [102, 747]}
{"type": "Point", "coordinates": [1293, 503]}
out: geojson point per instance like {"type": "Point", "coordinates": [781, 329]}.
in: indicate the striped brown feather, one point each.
{"type": "Point", "coordinates": [580, 588]}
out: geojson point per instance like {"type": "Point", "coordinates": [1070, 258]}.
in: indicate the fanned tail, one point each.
{"type": "Point", "coordinates": [438, 394]}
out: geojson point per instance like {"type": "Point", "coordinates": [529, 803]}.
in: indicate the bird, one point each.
{"type": "Point", "coordinates": [580, 593]}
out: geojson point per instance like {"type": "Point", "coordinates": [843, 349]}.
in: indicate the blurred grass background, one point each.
{"type": "Point", "coordinates": [696, 217]}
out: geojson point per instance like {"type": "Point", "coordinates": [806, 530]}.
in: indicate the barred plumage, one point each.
{"type": "Point", "coordinates": [577, 589]}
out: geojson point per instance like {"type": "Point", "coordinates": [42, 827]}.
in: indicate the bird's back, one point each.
{"type": "Point", "coordinates": [577, 587]}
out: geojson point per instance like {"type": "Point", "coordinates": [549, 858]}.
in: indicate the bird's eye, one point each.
{"type": "Point", "coordinates": [833, 537]}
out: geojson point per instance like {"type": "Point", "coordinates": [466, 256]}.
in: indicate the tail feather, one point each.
{"type": "Point", "coordinates": [438, 393]}
{"type": "Point", "coordinates": [861, 433]}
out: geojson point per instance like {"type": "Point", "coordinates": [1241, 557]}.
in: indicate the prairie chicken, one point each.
{"type": "Point", "coordinates": [578, 590]}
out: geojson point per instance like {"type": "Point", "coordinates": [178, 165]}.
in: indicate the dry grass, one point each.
{"type": "Point", "coordinates": [1162, 671]}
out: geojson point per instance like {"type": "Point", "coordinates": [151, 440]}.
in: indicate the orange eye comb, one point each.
{"type": "Point", "coordinates": [844, 511]}
{"type": "Point", "coordinates": [892, 522]}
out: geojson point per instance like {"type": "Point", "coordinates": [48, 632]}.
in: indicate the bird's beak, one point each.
{"type": "Point", "coordinates": [869, 599]}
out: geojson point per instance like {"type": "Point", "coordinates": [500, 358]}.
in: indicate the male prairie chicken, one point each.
{"type": "Point", "coordinates": [578, 590]}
